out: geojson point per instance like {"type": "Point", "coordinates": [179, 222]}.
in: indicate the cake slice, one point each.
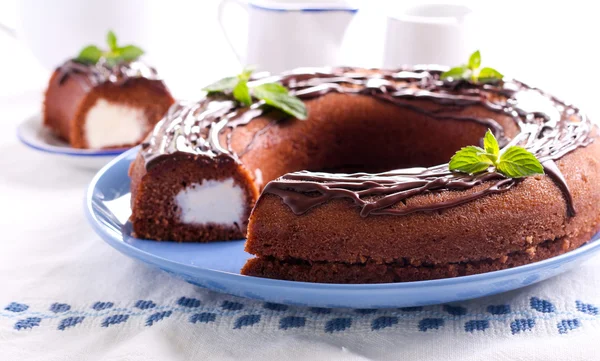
{"type": "Point", "coordinates": [105, 99]}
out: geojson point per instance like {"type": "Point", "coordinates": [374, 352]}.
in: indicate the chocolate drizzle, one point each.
{"type": "Point", "coordinates": [549, 128]}
{"type": "Point", "coordinates": [394, 187]}
{"type": "Point", "coordinates": [91, 75]}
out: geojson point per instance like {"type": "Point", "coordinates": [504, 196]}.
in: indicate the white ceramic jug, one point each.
{"type": "Point", "coordinates": [281, 35]}
{"type": "Point", "coordinates": [425, 33]}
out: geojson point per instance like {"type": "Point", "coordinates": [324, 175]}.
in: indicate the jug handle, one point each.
{"type": "Point", "coordinates": [221, 15]}
{"type": "Point", "coordinates": [8, 30]}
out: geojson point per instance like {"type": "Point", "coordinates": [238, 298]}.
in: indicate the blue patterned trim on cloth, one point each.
{"type": "Point", "coordinates": [238, 314]}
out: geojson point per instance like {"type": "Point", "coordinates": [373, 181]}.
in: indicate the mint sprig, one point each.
{"type": "Point", "coordinates": [241, 93]}
{"type": "Point", "coordinates": [273, 94]}
{"type": "Point", "coordinates": [276, 95]}
{"type": "Point", "coordinates": [89, 55]}
{"type": "Point", "coordinates": [473, 72]}
{"type": "Point", "coordinates": [517, 162]}
{"type": "Point", "coordinates": [513, 162]}
{"type": "Point", "coordinates": [470, 160]}
{"type": "Point", "coordinates": [222, 85]}
{"type": "Point", "coordinates": [115, 54]}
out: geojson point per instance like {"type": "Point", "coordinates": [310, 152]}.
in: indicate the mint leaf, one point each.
{"type": "Point", "coordinates": [470, 160]}
{"type": "Point", "coordinates": [246, 73]}
{"type": "Point", "coordinates": [229, 83]}
{"type": "Point", "coordinates": [489, 75]}
{"type": "Point", "coordinates": [277, 96]}
{"type": "Point", "coordinates": [270, 88]}
{"type": "Point", "coordinates": [474, 60]}
{"type": "Point", "coordinates": [241, 93]}
{"type": "Point", "coordinates": [517, 162]}
{"type": "Point", "coordinates": [111, 40]}
{"type": "Point", "coordinates": [490, 144]}
{"type": "Point", "coordinates": [458, 72]}
{"type": "Point", "coordinates": [513, 162]}
{"type": "Point", "coordinates": [472, 72]}
{"type": "Point", "coordinates": [89, 55]}
{"type": "Point", "coordinates": [273, 94]}
{"type": "Point", "coordinates": [129, 52]}
{"type": "Point", "coordinates": [111, 58]}
{"type": "Point", "coordinates": [222, 85]}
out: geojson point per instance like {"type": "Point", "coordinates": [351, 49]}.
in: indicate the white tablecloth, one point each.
{"type": "Point", "coordinates": [66, 295]}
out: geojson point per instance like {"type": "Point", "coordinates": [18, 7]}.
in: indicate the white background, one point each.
{"type": "Point", "coordinates": [551, 44]}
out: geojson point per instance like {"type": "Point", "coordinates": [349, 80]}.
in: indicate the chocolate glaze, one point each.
{"type": "Point", "coordinates": [549, 128]}
{"type": "Point", "coordinates": [91, 75]}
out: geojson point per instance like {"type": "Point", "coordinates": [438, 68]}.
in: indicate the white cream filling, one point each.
{"type": "Point", "coordinates": [109, 124]}
{"type": "Point", "coordinates": [212, 201]}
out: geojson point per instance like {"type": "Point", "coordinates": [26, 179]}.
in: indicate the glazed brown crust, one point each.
{"type": "Point", "coordinates": [530, 213]}
{"type": "Point", "coordinates": [403, 270]}
{"type": "Point", "coordinates": [61, 104]}
{"type": "Point", "coordinates": [154, 212]}
{"type": "Point", "coordinates": [66, 105]}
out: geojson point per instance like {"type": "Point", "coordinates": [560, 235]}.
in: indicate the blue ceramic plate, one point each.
{"type": "Point", "coordinates": [33, 134]}
{"type": "Point", "coordinates": [216, 266]}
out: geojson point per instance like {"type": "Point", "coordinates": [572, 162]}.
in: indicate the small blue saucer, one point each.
{"type": "Point", "coordinates": [33, 134]}
{"type": "Point", "coordinates": [216, 266]}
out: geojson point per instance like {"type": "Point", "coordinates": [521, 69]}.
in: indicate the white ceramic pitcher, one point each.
{"type": "Point", "coordinates": [281, 35]}
{"type": "Point", "coordinates": [425, 33]}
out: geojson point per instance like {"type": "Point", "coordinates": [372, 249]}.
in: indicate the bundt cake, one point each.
{"type": "Point", "coordinates": [99, 103]}
{"type": "Point", "coordinates": [319, 203]}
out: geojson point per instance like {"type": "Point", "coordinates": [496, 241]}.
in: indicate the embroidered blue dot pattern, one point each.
{"type": "Point", "coordinates": [365, 311]}
{"type": "Point", "coordinates": [188, 302]}
{"type": "Point", "coordinates": [275, 306]}
{"type": "Point", "coordinates": [521, 324]}
{"type": "Point", "coordinates": [247, 320]}
{"type": "Point", "coordinates": [411, 309]}
{"type": "Point", "coordinates": [232, 306]}
{"type": "Point", "coordinates": [338, 324]}
{"type": "Point", "coordinates": [383, 322]}
{"type": "Point", "coordinates": [59, 307]}
{"type": "Point", "coordinates": [477, 325]}
{"type": "Point", "coordinates": [145, 304]}
{"type": "Point", "coordinates": [430, 324]}
{"type": "Point", "coordinates": [204, 317]}
{"type": "Point", "coordinates": [114, 320]}
{"type": "Point", "coordinates": [70, 322]}
{"type": "Point", "coordinates": [566, 326]}
{"type": "Point", "coordinates": [455, 310]}
{"type": "Point", "coordinates": [98, 306]}
{"type": "Point", "coordinates": [16, 307]}
{"type": "Point", "coordinates": [292, 322]}
{"type": "Point", "coordinates": [320, 310]}
{"type": "Point", "coordinates": [242, 314]}
{"type": "Point", "coordinates": [155, 317]}
{"type": "Point", "coordinates": [498, 309]}
{"type": "Point", "coordinates": [27, 323]}
{"type": "Point", "coordinates": [586, 308]}
{"type": "Point", "coordinates": [541, 305]}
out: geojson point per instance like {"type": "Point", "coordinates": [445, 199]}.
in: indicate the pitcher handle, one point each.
{"type": "Point", "coordinates": [8, 30]}
{"type": "Point", "coordinates": [221, 15]}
